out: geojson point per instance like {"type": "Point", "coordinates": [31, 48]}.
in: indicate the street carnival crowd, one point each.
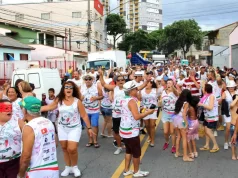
{"type": "Point", "coordinates": [192, 100]}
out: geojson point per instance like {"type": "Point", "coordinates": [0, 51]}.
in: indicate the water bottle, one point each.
{"type": "Point", "coordinates": [184, 124]}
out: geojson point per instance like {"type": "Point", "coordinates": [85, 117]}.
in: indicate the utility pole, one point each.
{"type": "Point", "coordinates": [70, 39]}
{"type": "Point", "coordinates": [89, 27]}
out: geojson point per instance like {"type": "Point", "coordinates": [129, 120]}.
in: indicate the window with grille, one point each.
{"type": "Point", "coordinates": [45, 16]}
{"type": "Point", "coordinates": [76, 14]}
{"type": "Point", "coordinates": [19, 17]}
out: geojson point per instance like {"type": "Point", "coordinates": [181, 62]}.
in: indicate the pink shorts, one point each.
{"type": "Point", "coordinates": [193, 126]}
{"type": "Point", "coordinates": [178, 121]}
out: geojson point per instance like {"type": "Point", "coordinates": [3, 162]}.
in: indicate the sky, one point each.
{"type": "Point", "coordinates": [210, 14]}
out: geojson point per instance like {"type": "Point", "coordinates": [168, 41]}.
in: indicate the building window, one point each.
{"type": "Point", "coordinates": [41, 38]}
{"type": "Point", "coordinates": [100, 37]}
{"type": "Point", "coordinates": [8, 56]}
{"type": "Point", "coordinates": [49, 40]}
{"type": "Point", "coordinates": [76, 14]}
{"type": "Point", "coordinates": [45, 16]}
{"type": "Point", "coordinates": [96, 35]}
{"type": "Point", "coordinates": [24, 57]}
{"type": "Point", "coordinates": [19, 17]}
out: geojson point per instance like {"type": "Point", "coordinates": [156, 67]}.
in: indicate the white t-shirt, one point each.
{"type": "Point", "coordinates": [159, 77]}
{"type": "Point", "coordinates": [180, 82]}
{"type": "Point", "coordinates": [138, 84]}
{"type": "Point", "coordinates": [77, 82]}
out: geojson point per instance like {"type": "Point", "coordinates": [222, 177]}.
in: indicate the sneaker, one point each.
{"type": "Point", "coordinates": [76, 171]}
{"type": "Point", "coordinates": [118, 151]}
{"type": "Point", "coordinates": [173, 150]}
{"type": "Point", "coordinates": [221, 128]}
{"type": "Point", "coordinates": [130, 172]}
{"type": "Point", "coordinates": [215, 133]}
{"type": "Point", "coordinates": [115, 143]}
{"type": "Point", "coordinates": [166, 145]}
{"type": "Point", "coordinates": [66, 171]}
{"type": "Point", "coordinates": [142, 131]}
{"type": "Point", "coordinates": [226, 146]}
{"type": "Point", "coordinates": [141, 174]}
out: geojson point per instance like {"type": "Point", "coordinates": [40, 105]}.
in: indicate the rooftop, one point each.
{"type": "Point", "coordinates": [8, 42]}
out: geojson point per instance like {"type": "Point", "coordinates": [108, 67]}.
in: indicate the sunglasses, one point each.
{"type": "Point", "coordinates": [87, 79]}
{"type": "Point", "coordinates": [68, 87]}
{"type": "Point", "coordinates": [121, 80]}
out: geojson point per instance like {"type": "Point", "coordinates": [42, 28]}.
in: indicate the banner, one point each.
{"type": "Point", "coordinates": [98, 6]}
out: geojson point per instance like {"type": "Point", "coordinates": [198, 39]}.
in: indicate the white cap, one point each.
{"type": "Point", "coordinates": [139, 73]}
{"type": "Point", "coordinates": [88, 75]}
{"type": "Point", "coordinates": [231, 84]}
{"type": "Point", "coordinates": [129, 85]}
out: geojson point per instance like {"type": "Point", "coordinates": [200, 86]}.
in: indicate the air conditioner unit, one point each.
{"type": "Point", "coordinates": [31, 40]}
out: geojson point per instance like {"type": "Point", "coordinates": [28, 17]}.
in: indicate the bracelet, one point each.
{"type": "Point", "coordinates": [89, 128]}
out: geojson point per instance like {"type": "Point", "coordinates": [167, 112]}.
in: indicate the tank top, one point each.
{"type": "Point", "coordinates": [216, 90]}
{"type": "Point", "coordinates": [151, 98]}
{"type": "Point", "coordinates": [16, 109]}
{"type": "Point", "coordinates": [10, 141]}
{"type": "Point", "coordinates": [44, 158]}
{"type": "Point", "coordinates": [88, 93]}
{"type": "Point", "coordinates": [129, 127]}
{"type": "Point", "coordinates": [69, 116]}
{"type": "Point", "coordinates": [168, 102]}
{"type": "Point", "coordinates": [229, 98]}
{"type": "Point", "coordinates": [212, 115]}
{"type": "Point", "coordinates": [116, 106]}
{"type": "Point", "coordinates": [106, 102]}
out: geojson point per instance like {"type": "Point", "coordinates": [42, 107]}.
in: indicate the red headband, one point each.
{"type": "Point", "coordinates": [5, 107]}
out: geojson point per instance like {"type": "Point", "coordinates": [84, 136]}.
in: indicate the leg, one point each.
{"type": "Point", "coordinates": [185, 145]}
{"type": "Point", "coordinates": [147, 126]}
{"type": "Point", "coordinates": [190, 148]}
{"type": "Point", "coordinates": [233, 152]}
{"type": "Point", "coordinates": [227, 132]}
{"type": "Point", "coordinates": [166, 132]}
{"type": "Point", "coordinates": [117, 137]}
{"type": "Point", "coordinates": [94, 123]}
{"type": "Point", "coordinates": [104, 125]}
{"type": "Point", "coordinates": [171, 130]}
{"type": "Point", "coordinates": [209, 133]}
{"type": "Point", "coordinates": [90, 139]}
{"type": "Point", "coordinates": [177, 141]}
{"type": "Point", "coordinates": [194, 146]}
{"type": "Point", "coordinates": [73, 152]}
{"type": "Point", "coordinates": [109, 125]}
{"type": "Point", "coordinates": [152, 130]}
{"type": "Point", "coordinates": [127, 162]}
{"type": "Point", "coordinates": [64, 145]}
{"type": "Point", "coordinates": [136, 163]}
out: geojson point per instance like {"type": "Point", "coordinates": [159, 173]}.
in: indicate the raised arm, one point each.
{"type": "Point", "coordinates": [103, 83]}
{"type": "Point", "coordinates": [51, 106]}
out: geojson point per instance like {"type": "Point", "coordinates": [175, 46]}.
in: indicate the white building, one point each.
{"type": "Point", "coordinates": [142, 14]}
{"type": "Point", "coordinates": [58, 15]}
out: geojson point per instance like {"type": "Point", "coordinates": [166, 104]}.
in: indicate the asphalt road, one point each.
{"type": "Point", "coordinates": [102, 163]}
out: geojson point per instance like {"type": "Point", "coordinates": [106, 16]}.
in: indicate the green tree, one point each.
{"type": "Point", "coordinates": [116, 26]}
{"type": "Point", "coordinates": [139, 40]}
{"type": "Point", "coordinates": [183, 34]}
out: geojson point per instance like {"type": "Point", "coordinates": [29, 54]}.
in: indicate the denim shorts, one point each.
{"type": "Point", "coordinates": [93, 118]}
{"type": "Point", "coordinates": [106, 111]}
{"type": "Point", "coordinates": [232, 130]}
{"type": "Point", "coordinates": [210, 125]}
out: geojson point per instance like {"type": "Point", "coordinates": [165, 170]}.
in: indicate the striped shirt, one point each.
{"type": "Point", "coordinates": [189, 84]}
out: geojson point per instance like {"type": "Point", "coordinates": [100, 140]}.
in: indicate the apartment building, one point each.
{"type": "Point", "coordinates": [60, 14]}
{"type": "Point", "coordinates": [141, 14]}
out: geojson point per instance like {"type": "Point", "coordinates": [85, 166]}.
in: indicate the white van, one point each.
{"type": "Point", "coordinates": [42, 78]}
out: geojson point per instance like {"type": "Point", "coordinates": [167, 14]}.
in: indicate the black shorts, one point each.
{"type": "Point", "coordinates": [10, 169]}
{"type": "Point", "coordinates": [210, 125]}
{"type": "Point", "coordinates": [116, 124]}
{"type": "Point", "coordinates": [133, 146]}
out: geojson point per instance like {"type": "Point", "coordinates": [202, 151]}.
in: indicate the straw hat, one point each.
{"type": "Point", "coordinates": [230, 84]}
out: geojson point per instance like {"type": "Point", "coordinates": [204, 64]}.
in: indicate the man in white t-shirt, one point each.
{"type": "Point", "coordinates": [138, 78]}
{"type": "Point", "coordinates": [76, 79]}
{"type": "Point", "coordinates": [203, 74]}
{"type": "Point", "coordinates": [160, 74]}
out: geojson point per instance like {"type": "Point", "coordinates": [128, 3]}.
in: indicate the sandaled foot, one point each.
{"type": "Point", "coordinates": [96, 145]}
{"type": "Point", "coordinates": [103, 135]}
{"type": "Point", "coordinates": [188, 159]}
{"type": "Point", "coordinates": [204, 148]}
{"type": "Point", "coordinates": [191, 155]}
{"type": "Point", "coordinates": [89, 144]}
{"type": "Point", "coordinates": [195, 154]}
{"type": "Point", "coordinates": [234, 158]}
{"type": "Point", "coordinates": [178, 155]}
{"type": "Point", "coordinates": [214, 150]}
{"type": "Point", "coordinates": [152, 145]}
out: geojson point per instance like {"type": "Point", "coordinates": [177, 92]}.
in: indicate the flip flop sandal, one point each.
{"type": "Point", "coordinates": [103, 135]}
{"type": "Point", "coordinates": [204, 149]}
{"type": "Point", "coordinates": [176, 156]}
{"type": "Point", "coordinates": [152, 145]}
{"type": "Point", "coordinates": [214, 150]}
{"type": "Point", "coordinates": [89, 144]}
{"type": "Point", "coordinates": [188, 160]}
{"type": "Point", "coordinates": [96, 145]}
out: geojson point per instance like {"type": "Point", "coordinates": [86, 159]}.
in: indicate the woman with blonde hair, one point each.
{"type": "Point", "coordinates": [3, 94]}
{"type": "Point", "coordinates": [25, 89]}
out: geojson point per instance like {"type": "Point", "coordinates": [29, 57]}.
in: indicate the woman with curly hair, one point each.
{"type": "Point", "coordinates": [69, 124]}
